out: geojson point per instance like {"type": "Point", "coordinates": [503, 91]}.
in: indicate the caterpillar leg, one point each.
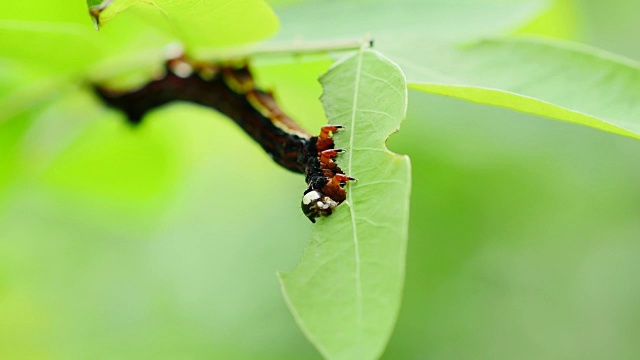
{"type": "Point", "coordinates": [341, 180]}
{"type": "Point", "coordinates": [327, 156]}
{"type": "Point", "coordinates": [325, 140]}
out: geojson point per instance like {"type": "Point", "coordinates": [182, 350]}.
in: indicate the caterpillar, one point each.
{"type": "Point", "coordinates": [231, 90]}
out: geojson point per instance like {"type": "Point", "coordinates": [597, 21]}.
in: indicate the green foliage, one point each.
{"type": "Point", "coordinates": [197, 22]}
{"type": "Point", "coordinates": [162, 242]}
{"type": "Point", "coordinates": [505, 72]}
{"type": "Point", "coordinates": [70, 40]}
{"type": "Point", "coordinates": [539, 77]}
{"type": "Point", "coordinates": [345, 293]}
{"type": "Point", "coordinates": [402, 23]}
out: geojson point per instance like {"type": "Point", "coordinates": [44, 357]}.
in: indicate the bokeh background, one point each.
{"type": "Point", "coordinates": [163, 241]}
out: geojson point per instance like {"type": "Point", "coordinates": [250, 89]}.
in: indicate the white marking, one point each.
{"type": "Point", "coordinates": [310, 197]}
{"type": "Point", "coordinates": [330, 203]}
{"type": "Point", "coordinates": [182, 69]}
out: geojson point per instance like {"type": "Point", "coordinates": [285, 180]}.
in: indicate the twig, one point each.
{"type": "Point", "coordinates": [295, 48]}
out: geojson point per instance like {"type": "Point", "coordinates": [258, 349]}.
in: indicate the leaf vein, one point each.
{"type": "Point", "coordinates": [352, 211]}
{"type": "Point", "coordinates": [377, 78]}
{"type": "Point", "coordinates": [370, 183]}
{"type": "Point", "coordinates": [376, 112]}
{"type": "Point", "coordinates": [374, 223]}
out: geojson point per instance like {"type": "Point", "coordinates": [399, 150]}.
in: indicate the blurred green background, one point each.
{"type": "Point", "coordinates": [163, 242]}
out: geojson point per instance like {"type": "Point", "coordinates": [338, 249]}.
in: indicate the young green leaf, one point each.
{"type": "Point", "coordinates": [197, 23]}
{"type": "Point", "coordinates": [28, 78]}
{"type": "Point", "coordinates": [345, 293]}
{"type": "Point", "coordinates": [554, 79]}
{"type": "Point", "coordinates": [54, 46]}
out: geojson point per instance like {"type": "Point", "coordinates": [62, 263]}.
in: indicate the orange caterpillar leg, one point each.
{"type": "Point", "coordinates": [325, 142]}
{"type": "Point", "coordinates": [341, 179]}
{"type": "Point", "coordinates": [327, 156]}
{"type": "Point", "coordinates": [326, 130]}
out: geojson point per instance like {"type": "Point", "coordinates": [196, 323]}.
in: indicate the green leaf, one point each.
{"type": "Point", "coordinates": [67, 11]}
{"type": "Point", "coordinates": [399, 21]}
{"type": "Point", "coordinates": [60, 54]}
{"type": "Point", "coordinates": [98, 3]}
{"type": "Point", "coordinates": [54, 46]}
{"type": "Point", "coordinates": [197, 23]}
{"type": "Point", "coordinates": [38, 59]}
{"type": "Point", "coordinates": [345, 293]}
{"type": "Point", "coordinates": [558, 80]}
{"type": "Point", "coordinates": [534, 76]}
{"type": "Point", "coordinates": [23, 88]}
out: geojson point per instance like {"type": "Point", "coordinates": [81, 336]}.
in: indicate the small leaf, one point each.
{"type": "Point", "coordinates": [345, 293]}
{"type": "Point", "coordinates": [559, 80]}
{"type": "Point", "coordinates": [197, 23]}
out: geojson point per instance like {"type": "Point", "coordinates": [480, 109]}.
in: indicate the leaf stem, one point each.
{"type": "Point", "coordinates": [294, 48]}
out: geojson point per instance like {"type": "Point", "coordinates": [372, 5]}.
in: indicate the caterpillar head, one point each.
{"type": "Point", "coordinates": [316, 204]}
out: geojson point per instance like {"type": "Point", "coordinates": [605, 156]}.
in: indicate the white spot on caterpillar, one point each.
{"type": "Point", "coordinates": [311, 196]}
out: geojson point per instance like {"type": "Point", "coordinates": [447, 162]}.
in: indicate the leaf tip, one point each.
{"type": "Point", "coordinates": [96, 22]}
{"type": "Point", "coordinates": [96, 10]}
